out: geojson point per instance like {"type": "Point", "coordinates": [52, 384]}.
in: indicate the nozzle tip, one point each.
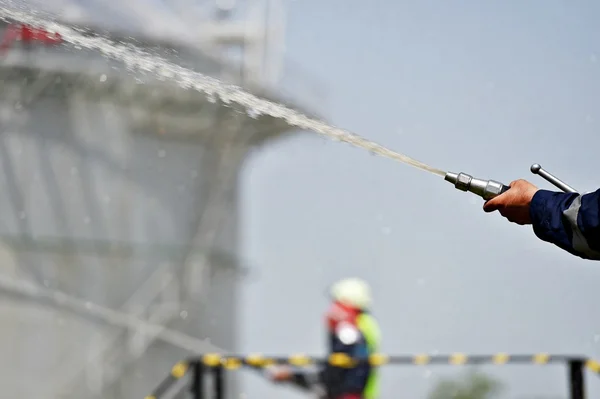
{"type": "Point", "coordinates": [451, 177]}
{"type": "Point", "coordinates": [535, 168]}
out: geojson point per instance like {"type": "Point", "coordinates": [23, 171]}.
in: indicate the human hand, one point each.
{"type": "Point", "coordinates": [279, 373]}
{"type": "Point", "coordinates": [514, 203]}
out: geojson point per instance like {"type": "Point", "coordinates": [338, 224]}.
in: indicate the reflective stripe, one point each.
{"type": "Point", "coordinates": [579, 241]}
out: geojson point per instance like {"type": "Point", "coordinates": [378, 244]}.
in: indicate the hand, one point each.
{"type": "Point", "coordinates": [514, 203]}
{"type": "Point", "coordinates": [279, 373]}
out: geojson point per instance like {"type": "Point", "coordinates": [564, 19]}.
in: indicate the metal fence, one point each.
{"type": "Point", "coordinates": [213, 365]}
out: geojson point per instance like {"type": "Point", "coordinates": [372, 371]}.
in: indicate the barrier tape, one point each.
{"type": "Point", "coordinates": [232, 362]}
{"type": "Point", "coordinates": [343, 360]}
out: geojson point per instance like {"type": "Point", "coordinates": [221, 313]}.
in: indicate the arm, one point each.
{"type": "Point", "coordinates": [570, 221]}
{"type": "Point", "coordinates": [306, 379]}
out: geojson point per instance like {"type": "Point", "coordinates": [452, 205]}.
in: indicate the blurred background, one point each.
{"type": "Point", "coordinates": [129, 202]}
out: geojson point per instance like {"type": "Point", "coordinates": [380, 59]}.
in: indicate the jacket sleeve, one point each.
{"type": "Point", "coordinates": [305, 379]}
{"type": "Point", "coordinates": [569, 220]}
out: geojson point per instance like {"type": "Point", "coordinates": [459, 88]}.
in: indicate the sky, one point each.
{"type": "Point", "coordinates": [486, 88]}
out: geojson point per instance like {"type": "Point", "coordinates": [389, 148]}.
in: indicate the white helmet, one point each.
{"type": "Point", "coordinates": [352, 292]}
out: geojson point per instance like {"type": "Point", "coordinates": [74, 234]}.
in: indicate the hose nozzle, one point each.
{"type": "Point", "coordinates": [486, 189]}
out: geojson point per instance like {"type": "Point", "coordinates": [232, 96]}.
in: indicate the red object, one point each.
{"type": "Point", "coordinates": [338, 313]}
{"type": "Point", "coordinates": [350, 396]}
{"type": "Point", "coordinates": [28, 34]}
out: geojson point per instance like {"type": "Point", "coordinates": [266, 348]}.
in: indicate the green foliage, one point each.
{"type": "Point", "coordinates": [473, 385]}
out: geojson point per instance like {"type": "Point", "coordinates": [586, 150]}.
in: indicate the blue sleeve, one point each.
{"type": "Point", "coordinates": [569, 220]}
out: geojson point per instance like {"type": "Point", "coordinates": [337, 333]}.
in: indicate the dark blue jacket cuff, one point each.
{"type": "Point", "coordinates": [546, 212]}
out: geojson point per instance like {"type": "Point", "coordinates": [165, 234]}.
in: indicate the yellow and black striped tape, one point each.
{"type": "Point", "coordinates": [342, 360]}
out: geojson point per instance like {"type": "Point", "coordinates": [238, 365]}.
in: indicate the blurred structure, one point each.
{"type": "Point", "coordinates": [121, 192]}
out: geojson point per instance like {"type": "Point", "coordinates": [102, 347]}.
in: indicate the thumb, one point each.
{"type": "Point", "coordinates": [492, 205]}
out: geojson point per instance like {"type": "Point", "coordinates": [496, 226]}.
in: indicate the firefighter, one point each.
{"type": "Point", "coordinates": [569, 220]}
{"type": "Point", "coordinates": [352, 330]}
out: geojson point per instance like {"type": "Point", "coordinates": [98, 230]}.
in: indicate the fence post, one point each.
{"type": "Point", "coordinates": [219, 383]}
{"type": "Point", "coordinates": [197, 388]}
{"type": "Point", "coordinates": [576, 379]}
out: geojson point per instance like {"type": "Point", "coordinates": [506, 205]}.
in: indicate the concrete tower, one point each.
{"type": "Point", "coordinates": [120, 196]}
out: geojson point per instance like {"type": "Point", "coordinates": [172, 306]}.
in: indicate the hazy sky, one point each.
{"type": "Point", "coordinates": [484, 87]}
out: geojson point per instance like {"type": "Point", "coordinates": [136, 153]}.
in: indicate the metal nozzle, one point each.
{"type": "Point", "coordinates": [486, 189]}
{"type": "Point", "coordinates": [536, 169]}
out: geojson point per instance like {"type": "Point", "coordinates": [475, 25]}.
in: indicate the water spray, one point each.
{"type": "Point", "coordinates": [488, 189]}
{"type": "Point", "coordinates": [135, 58]}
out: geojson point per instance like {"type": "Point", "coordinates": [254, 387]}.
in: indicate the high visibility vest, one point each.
{"type": "Point", "coordinates": [369, 328]}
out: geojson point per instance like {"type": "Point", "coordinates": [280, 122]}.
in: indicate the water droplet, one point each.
{"type": "Point", "coordinates": [103, 78]}
{"type": "Point", "coordinates": [211, 98]}
{"type": "Point", "coordinates": [226, 99]}
{"type": "Point", "coordinates": [253, 113]}
{"type": "Point", "coordinates": [183, 314]}
{"type": "Point", "coordinates": [162, 153]}
{"type": "Point", "coordinates": [386, 231]}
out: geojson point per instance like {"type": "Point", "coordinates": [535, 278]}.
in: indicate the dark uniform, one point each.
{"type": "Point", "coordinates": [359, 339]}
{"type": "Point", "coordinates": [569, 220]}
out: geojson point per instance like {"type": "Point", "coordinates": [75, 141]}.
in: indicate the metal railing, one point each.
{"type": "Point", "coordinates": [215, 364]}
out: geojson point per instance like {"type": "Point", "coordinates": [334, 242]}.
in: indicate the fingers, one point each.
{"type": "Point", "coordinates": [496, 203]}
{"type": "Point", "coordinates": [490, 206]}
